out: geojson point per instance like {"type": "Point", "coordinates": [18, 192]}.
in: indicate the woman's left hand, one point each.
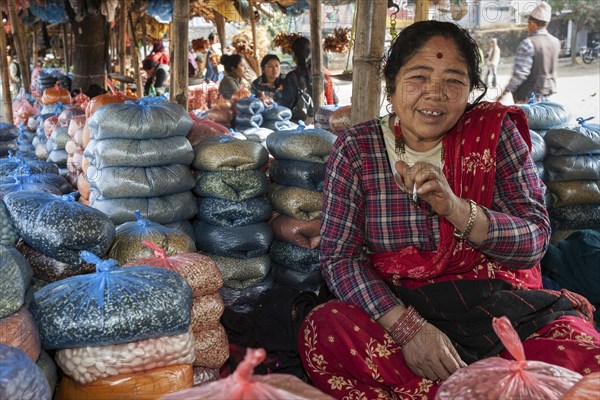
{"type": "Point", "coordinates": [431, 184]}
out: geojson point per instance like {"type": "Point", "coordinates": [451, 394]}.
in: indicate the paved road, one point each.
{"type": "Point", "coordinates": [578, 87]}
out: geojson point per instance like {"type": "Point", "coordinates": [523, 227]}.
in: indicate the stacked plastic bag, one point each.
{"type": "Point", "coordinates": [139, 159]}
{"type": "Point", "coordinates": [118, 331]}
{"type": "Point", "coordinates": [54, 230]}
{"type": "Point", "coordinates": [211, 346]}
{"type": "Point", "coordinates": [8, 139]}
{"type": "Point", "coordinates": [231, 224]}
{"type": "Point", "coordinates": [298, 172]}
{"type": "Point", "coordinates": [573, 169]}
{"type": "Point", "coordinates": [20, 348]}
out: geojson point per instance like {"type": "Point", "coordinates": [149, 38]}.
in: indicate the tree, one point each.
{"type": "Point", "coordinates": [583, 13]}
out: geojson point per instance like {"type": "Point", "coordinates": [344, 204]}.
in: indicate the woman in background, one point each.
{"type": "Point", "coordinates": [235, 68]}
{"type": "Point", "coordinates": [269, 85]}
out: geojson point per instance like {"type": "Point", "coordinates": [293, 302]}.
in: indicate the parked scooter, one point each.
{"type": "Point", "coordinates": [589, 54]}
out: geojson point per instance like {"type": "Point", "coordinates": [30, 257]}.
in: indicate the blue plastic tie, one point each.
{"type": "Point", "coordinates": [70, 197]}
{"type": "Point", "coordinates": [581, 120]}
{"type": "Point", "coordinates": [531, 99]}
{"type": "Point", "coordinates": [301, 126]}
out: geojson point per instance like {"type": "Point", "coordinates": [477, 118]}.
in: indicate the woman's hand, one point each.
{"type": "Point", "coordinates": [431, 186]}
{"type": "Point", "coordinates": [430, 354]}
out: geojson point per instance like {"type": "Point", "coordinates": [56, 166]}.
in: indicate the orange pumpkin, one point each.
{"type": "Point", "coordinates": [108, 98]}
{"type": "Point", "coordinates": [55, 94]}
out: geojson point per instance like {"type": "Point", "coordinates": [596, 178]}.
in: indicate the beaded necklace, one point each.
{"type": "Point", "coordinates": [400, 150]}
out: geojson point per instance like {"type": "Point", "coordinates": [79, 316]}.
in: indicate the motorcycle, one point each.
{"type": "Point", "coordinates": [589, 54]}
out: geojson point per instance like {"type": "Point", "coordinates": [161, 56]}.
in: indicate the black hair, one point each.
{"type": "Point", "coordinates": [415, 36]}
{"type": "Point", "coordinates": [211, 36]}
{"type": "Point", "coordinates": [231, 62]}
{"type": "Point", "coordinates": [266, 59]}
{"type": "Point", "coordinates": [301, 50]}
{"type": "Point", "coordinates": [539, 22]}
{"type": "Point", "coordinates": [148, 64]}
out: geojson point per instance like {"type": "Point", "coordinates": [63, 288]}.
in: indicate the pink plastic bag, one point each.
{"type": "Point", "coordinates": [242, 385]}
{"type": "Point", "coordinates": [495, 378]}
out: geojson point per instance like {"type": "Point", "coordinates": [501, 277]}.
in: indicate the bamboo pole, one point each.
{"type": "Point", "coordinates": [123, 37]}
{"type": "Point", "coordinates": [19, 40]}
{"type": "Point", "coordinates": [422, 10]}
{"type": "Point", "coordinates": [135, 59]}
{"type": "Point", "coordinates": [368, 50]}
{"type": "Point", "coordinates": [220, 24]}
{"type": "Point", "coordinates": [34, 34]}
{"type": "Point", "coordinates": [65, 43]}
{"type": "Point", "coordinates": [179, 71]}
{"type": "Point", "coordinates": [253, 25]}
{"type": "Point", "coordinates": [6, 95]}
{"type": "Point", "coordinates": [316, 53]}
{"type": "Point", "coordinates": [144, 42]}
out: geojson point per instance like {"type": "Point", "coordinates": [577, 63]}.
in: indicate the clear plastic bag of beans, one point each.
{"type": "Point", "coordinates": [497, 378]}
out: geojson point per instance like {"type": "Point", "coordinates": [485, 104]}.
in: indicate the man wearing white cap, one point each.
{"type": "Point", "coordinates": [536, 61]}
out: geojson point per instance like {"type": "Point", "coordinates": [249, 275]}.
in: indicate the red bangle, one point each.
{"type": "Point", "coordinates": [407, 326]}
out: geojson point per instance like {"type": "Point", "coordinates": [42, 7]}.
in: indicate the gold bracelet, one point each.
{"type": "Point", "coordinates": [470, 223]}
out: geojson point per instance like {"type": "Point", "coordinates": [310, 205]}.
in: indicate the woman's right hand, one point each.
{"type": "Point", "coordinates": [430, 354]}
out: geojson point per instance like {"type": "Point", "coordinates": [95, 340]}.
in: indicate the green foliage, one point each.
{"type": "Point", "coordinates": [274, 25]}
{"type": "Point", "coordinates": [584, 13]}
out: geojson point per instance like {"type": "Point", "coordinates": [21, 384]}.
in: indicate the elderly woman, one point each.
{"type": "Point", "coordinates": [433, 223]}
{"type": "Point", "coordinates": [235, 67]}
{"type": "Point", "coordinates": [269, 85]}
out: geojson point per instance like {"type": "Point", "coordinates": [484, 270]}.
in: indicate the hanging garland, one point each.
{"type": "Point", "coordinates": [285, 40]}
{"type": "Point", "coordinates": [338, 42]}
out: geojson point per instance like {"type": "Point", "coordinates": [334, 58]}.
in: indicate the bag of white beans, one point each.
{"type": "Point", "coordinates": [88, 364]}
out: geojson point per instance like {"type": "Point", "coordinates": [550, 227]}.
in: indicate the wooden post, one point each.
{"type": "Point", "coordinates": [179, 70]}
{"type": "Point", "coordinates": [34, 35]}
{"type": "Point", "coordinates": [253, 25]}
{"type": "Point", "coordinates": [90, 52]}
{"type": "Point", "coordinates": [422, 10]}
{"type": "Point", "coordinates": [316, 53]}
{"type": "Point", "coordinates": [220, 24]}
{"type": "Point", "coordinates": [65, 42]}
{"type": "Point", "coordinates": [144, 42]}
{"type": "Point", "coordinates": [123, 37]}
{"type": "Point", "coordinates": [135, 59]}
{"type": "Point", "coordinates": [19, 39]}
{"type": "Point", "coordinates": [6, 95]}
{"type": "Point", "coordinates": [368, 50]}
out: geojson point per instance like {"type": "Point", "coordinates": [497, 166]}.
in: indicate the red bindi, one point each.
{"type": "Point", "coordinates": [440, 55]}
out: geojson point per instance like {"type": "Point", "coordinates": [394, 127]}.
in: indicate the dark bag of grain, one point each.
{"type": "Point", "coordinates": [249, 105]}
{"type": "Point", "coordinates": [231, 185]}
{"type": "Point", "coordinates": [162, 210]}
{"type": "Point", "coordinates": [16, 276]}
{"type": "Point", "coordinates": [240, 242]}
{"type": "Point", "coordinates": [143, 119]}
{"type": "Point", "coordinates": [20, 377]}
{"type": "Point", "coordinates": [59, 227]}
{"type": "Point", "coordinates": [572, 168]}
{"type": "Point", "coordinates": [221, 212]}
{"type": "Point", "coordinates": [545, 114]}
{"type": "Point", "coordinates": [538, 146]}
{"type": "Point", "coordinates": [277, 113]}
{"type": "Point", "coordinates": [128, 243]}
{"type": "Point", "coordinates": [123, 182]}
{"type": "Point", "coordinates": [11, 166]}
{"type": "Point", "coordinates": [114, 305]}
{"type": "Point", "coordinates": [50, 179]}
{"type": "Point", "coordinates": [303, 174]}
{"type": "Point", "coordinates": [8, 233]}
{"type": "Point", "coordinates": [139, 152]}
{"type": "Point", "coordinates": [50, 269]}
{"type": "Point", "coordinates": [229, 154]}
{"type": "Point", "coordinates": [297, 258]}
{"type": "Point", "coordinates": [581, 139]}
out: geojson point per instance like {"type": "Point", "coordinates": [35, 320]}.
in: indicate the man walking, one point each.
{"type": "Point", "coordinates": [536, 61]}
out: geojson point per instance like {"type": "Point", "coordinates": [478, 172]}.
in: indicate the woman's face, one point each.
{"type": "Point", "coordinates": [272, 70]}
{"type": "Point", "coordinates": [432, 90]}
{"type": "Point", "coordinates": [240, 70]}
